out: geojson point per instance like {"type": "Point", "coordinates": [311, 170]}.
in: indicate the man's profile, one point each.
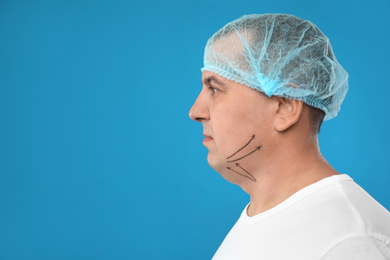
{"type": "Point", "coordinates": [268, 83]}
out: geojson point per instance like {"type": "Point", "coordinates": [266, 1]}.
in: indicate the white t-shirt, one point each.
{"type": "Point", "coordinates": [329, 220]}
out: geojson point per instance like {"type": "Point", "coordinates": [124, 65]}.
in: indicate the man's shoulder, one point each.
{"type": "Point", "coordinates": [343, 209]}
{"type": "Point", "coordinates": [347, 201]}
{"type": "Point", "coordinates": [344, 200]}
{"type": "Point", "coordinates": [338, 215]}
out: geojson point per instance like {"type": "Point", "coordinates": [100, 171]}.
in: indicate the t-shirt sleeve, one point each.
{"type": "Point", "coordinates": [359, 248]}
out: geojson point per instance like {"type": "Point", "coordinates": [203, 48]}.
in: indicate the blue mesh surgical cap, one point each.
{"type": "Point", "coordinates": [279, 55]}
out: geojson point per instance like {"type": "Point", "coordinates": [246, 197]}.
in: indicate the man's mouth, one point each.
{"type": "Point", "coordinates": [207, 138]}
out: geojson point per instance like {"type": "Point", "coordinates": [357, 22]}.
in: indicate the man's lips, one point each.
{"type": "Point", "coordinates": [207, 138]}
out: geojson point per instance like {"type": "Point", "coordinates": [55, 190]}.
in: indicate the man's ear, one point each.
{"type": "Point", "coordinates": [288, 112]}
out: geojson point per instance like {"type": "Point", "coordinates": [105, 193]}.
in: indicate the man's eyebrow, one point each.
{"type": "Point", "coordinates": [210, 79]}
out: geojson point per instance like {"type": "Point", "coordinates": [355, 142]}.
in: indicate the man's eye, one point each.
{"type": "Point", "coordinates": [214, 90]}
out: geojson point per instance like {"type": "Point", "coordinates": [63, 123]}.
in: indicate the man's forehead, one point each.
{"type": "Point", "coordinates": [210, 77]}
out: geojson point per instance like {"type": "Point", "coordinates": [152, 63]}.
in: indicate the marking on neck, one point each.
{"type": "Point", "coordinates": [253, 137]}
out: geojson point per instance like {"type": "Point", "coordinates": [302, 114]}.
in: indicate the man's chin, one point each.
{"type": "Point", "coordinates": [216, 163]}
{"type": "Point", "coordinates": [220, 166]}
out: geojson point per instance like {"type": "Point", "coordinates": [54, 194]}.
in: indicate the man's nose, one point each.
{"type": "Point", "coordinates": [199, 110]}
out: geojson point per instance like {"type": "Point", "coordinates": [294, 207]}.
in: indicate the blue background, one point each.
{"type": "Point", "coordinates": [98, 157]}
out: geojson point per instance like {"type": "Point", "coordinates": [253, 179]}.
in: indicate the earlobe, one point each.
{"type": "Point", "coordinates": [288, 112]}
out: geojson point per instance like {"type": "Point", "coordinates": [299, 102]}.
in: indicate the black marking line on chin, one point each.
{"type": "Point", "coordinates": [230, 169]}
{"type": "Point", "coordinates": [253, 137]}
{"type": "Point", "coordinates": [257, 149]}
{"type": "Point", "coordinates": [239, 166]}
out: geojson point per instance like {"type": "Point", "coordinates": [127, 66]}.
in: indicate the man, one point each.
{"type": "Point", "coordinates": [268, 83]}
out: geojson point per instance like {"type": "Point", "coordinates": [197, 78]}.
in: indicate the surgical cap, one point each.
{"type": "Point", "coordinates": [279, 55]}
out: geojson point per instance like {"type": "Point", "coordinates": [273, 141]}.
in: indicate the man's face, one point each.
{"type": "Point", "coordinates": [237, 124]}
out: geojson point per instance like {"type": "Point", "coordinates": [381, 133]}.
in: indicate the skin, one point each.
{"type": "Point", "coordinates": [289, 158]}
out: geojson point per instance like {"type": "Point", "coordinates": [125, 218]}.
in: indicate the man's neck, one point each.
{"type": "Point", "coordinates": [286, 177]}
